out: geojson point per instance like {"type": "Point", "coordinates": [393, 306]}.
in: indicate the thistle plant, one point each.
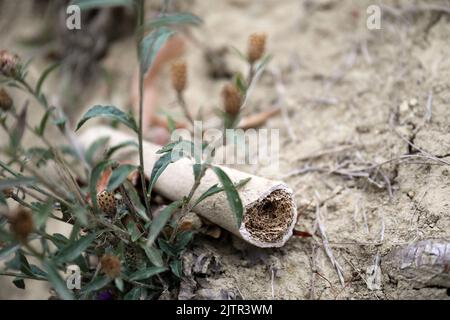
{"type": "Point", "coordinates": [122, 250]}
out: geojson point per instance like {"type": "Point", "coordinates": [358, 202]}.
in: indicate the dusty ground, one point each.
{"type": "Point", "coordinates": [353, 98]}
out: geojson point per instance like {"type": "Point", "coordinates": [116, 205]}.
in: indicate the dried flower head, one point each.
{"type": "Point", "coordinates": [5, 100]}
{"type": "Point", "coordinates": [232, 99]}
{"type": "Point", "coordinates": [8, 192]}
{"type": "Point", "coordinates": [179, 75]}
{"type": "Point", "coordinates": [9, 64]}
{"type": "Point", "coordinates": [110, 265]}
{"type": "Point", "coordinates": [22, 223]}
{"type": "Point", "coordinates": [256, 46]}
{"type": "Point", "coordinates": [107, 202]}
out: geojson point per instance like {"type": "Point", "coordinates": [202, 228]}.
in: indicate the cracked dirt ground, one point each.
{"type": "Point", "coordinates": [354, 98]}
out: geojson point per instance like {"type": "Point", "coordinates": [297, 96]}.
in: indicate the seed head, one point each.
{"type": "Point", "coordinates": [231, 99]}
{"type": "Point", "coordinates": [110, 265]}
{"type": "Point", "coordinates": [256, 46]}
{"type": "Point", "coordinates": [8, 192]}
{"type": "Point", "coordinates": [22, 224]}
{"type": "Point", "coordinates": [107, 202]}
{"type": "Point", "coordinates": [9, 64]}
{"type": "Point", "coordinates": [5, 100]}
{"type": "Point", "coordinates": [179, 75]}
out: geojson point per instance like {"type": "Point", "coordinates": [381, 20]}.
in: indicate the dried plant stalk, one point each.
{"type": "Point", "coordinates": [270, 211]}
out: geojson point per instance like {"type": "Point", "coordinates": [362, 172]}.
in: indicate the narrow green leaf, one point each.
{"type": "Point", "coordinates": [211, 191]}
{"type": "Point", "coordinates": [91, 4]}
{"type": "Point", "coordinates": [41, 129]}
{"type": "Point", "coordinates": [240, 83]}
{"type": "Point", "coordinates": [168, 148]}
{"type": "Point", "coordinates": [167, 248]}
{"type": "Point", "coordinates": [40, 155]}
{"type": "Point", "coordinates": [25, 267]}
{"type": "Point", "coordinates": [19, 128]}
{"type": "Point", "coordinates": [176, 268]}
{"type": "Point", "coordinates": [92, 151]}
{"type": "Point", "coordinates": [134, 294]}
{"type": "Point", "coordinates": [134, 231]}
{"type": "Point", "coordinates": [119, 175]}
{"type": "Point", "coordinates": [146, 273]}
{"type": "Point", "coordinates": [183, 240]}
{"type": "Point", "coordinates": [74, 249]}
{"type": "Point", "coordinates": [151, 44]}
{"type": "Point", "coordinates": [96, 284]}
{"type": "Point", "coordinates": [158, 168]}
{"type": "Point", "coordinates": [135, 200]}
{"type": "Point", "coordinates": [160, 221]}
{"type": "Point", "coordinates": [197, 168]}
{"type": "Point", "coordinates": [44, 76]}
{"type": "Point", "coordinates": [232, 195]}
{"type": "Point", "coordinates": [16, 182]}
{"type": "Point", "coordinates": [119, 146]}
{"type": "Point", "coordinates": [109, 112]}
{"type": "Point", "coordinates": [179, 18]}
{"type": "Point", "coordinates": [55, 279]}
{"type": "Point", "coordinates": [154, 255]}
{"type": "Point", "coordinates": [216, 189]}
{"type": "Point", "coordinates": [171, 126]}
{"type": "Point", "coordinates": [119, 283]}
{"type": "Point", "coordinates": [42, 212]}
{"type": "Point", "coordinates": [59, 240]}
{"type": "Point", "coordinates": [239, 53]}
{"type": "Point", "coordinates": [9, 250]}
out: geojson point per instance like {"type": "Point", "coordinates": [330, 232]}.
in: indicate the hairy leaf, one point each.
{"type": "Point", "coordinates": [94, 147]}
{"type": "Point", "coordinates": [154, 255]}
{"type": "Point", "coordinates": [96, 284]}
{"type": "Point", "coordinates": [91, 4]}
{"type": "Point", "coordinates": [74, 249]}
{"type": "Point", "coordinates": [179, 18]}
{"type": "Point", "coordinates": [119, 175]}
{"type": "Point", "coordinates": [146, 273]}
{"type": "Point", "coordinates": [119, 146]}
{"type": "Point", "coordinates": [44, 76]}
{"type": "Point", "coordinates": [109, 112]}
{"type": "Point", "coordinates": [15, 182]}
{"type": "Point", "coordinates": [151, 44]}
{"type": "Point", "coordinates": [160, 221]}
{"type": "Point", "coordinates": [55, 279]}
{"type": "Point", "coordinates": [232, 195]}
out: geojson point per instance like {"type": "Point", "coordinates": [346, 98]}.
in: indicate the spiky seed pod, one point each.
{"type": "Point", "coordinates": [9, 64]}
{"type": "Point", "coordinates": [110, 265]}
{"type": "Point", "coordinates": [107, 202]}
{"type": "Point", "coordinates": [22, 224]}
{"type": "Point", "coordinates": [231, 99]}
{"type": "Point", "coordinates": [179, 75]}
{"type": "Point", "coordinates": [5, 100]}
{"type": "Point", "coordinates": [256, 46]}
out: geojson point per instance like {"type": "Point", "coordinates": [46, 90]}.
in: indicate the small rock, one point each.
{"type": "Point", "coordinates": [413, 102]}
{"type": "Point", "coordinates": [404, 107]}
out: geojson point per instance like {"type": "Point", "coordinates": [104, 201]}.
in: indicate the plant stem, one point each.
{"type": "Point", "coordinates": [182, 103]}
{"type": "Point", "coordinates": [38, 189]}
{"type": "Point", "coordinates": [141, 16]}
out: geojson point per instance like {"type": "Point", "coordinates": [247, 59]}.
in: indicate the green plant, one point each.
{"type": "Point", "coordinates": [120, 249]}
